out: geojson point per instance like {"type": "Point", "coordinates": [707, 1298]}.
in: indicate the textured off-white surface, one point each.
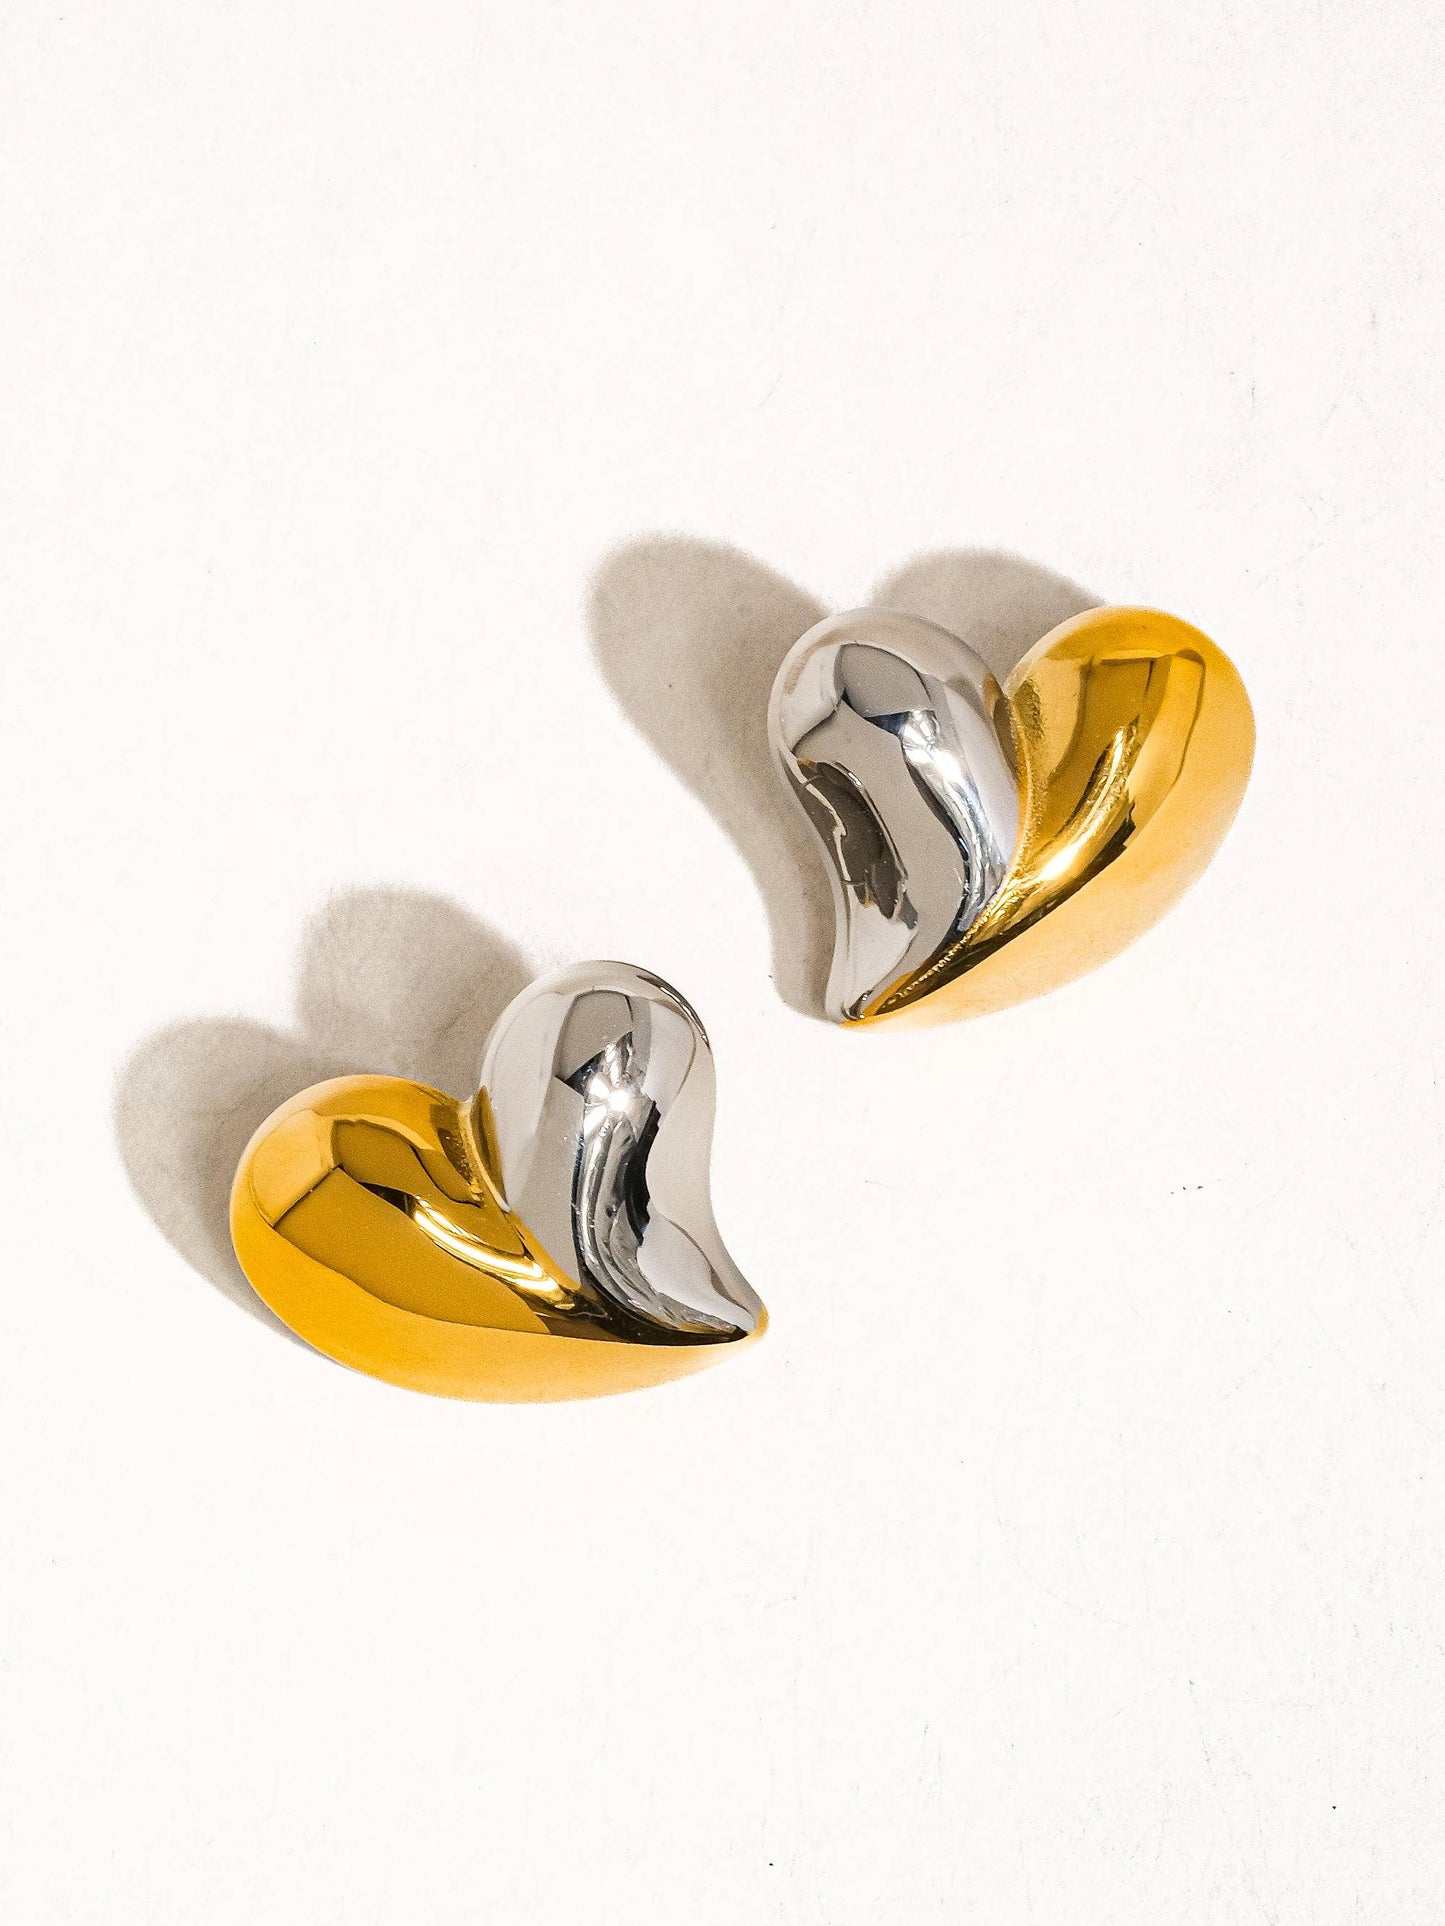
{"type": "Point", "coordinates": [1071, 1551]}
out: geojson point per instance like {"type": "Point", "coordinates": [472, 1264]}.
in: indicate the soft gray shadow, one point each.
{"type": "Point", "coordinates": [388, 980]}
{"type": "Point", "coordinates": [998, 603]}
{"type": "Point", "coordinates": [689, 636]}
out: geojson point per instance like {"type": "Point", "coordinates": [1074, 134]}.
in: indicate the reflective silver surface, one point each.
{"type": "Point", "coordinates": [596, 1102]}
{"type": "Point", "coordinates": [885, 729]}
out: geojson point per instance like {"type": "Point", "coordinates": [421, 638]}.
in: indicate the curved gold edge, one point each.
{"type": "Point", "coordinates": [1002, 962]}
{"type": "Point", "coordinates": [476, 1363]}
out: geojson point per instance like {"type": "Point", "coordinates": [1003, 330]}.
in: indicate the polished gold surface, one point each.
{"type": "Point", "coordinates": [371, 1214]}
{"type": "Point", "coordinates": [1130, 738]}
{"type": "Point", "coordinates": [1133, 739]}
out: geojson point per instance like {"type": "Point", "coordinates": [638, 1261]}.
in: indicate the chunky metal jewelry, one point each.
{"type": "Point", "coordinates": [553, 1237]}
{"type": "Point", "coordinates": [987, 844]}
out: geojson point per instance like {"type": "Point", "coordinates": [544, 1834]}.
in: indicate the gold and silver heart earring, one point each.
{"type": "Point", "coordinates": [552, 1237]}
{"type": "Point", "coordinates": [984, 843]}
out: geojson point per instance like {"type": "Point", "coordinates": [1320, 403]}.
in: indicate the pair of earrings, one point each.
{"type": "Point", "coordinates": [553, 1237]}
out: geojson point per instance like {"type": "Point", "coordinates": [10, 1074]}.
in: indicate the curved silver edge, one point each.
{"type": "Point", "coordinates": [600, 1083]}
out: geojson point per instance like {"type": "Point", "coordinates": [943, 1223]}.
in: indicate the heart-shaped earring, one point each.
{"type": "Point", "coordinates": [987, 844]}
{"type": "Point", "coordinates": [551, 1238]}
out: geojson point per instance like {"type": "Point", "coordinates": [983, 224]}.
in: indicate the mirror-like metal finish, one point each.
{"type": "Point", "coordinates": [986, 845]}
{"type": "Point", "coordinates": [884, 727]}
{"type": "Point", "coordinates": [551, 1238]}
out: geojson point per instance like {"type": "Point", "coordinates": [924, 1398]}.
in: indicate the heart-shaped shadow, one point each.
{"type": "Point", "coordinates": [689, 636]}
{"type": "Point", "coordinates": [393, 979]}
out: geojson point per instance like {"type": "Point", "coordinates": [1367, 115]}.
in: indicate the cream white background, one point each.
{"type": "Point", "coordinates": [1071, 1551]}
